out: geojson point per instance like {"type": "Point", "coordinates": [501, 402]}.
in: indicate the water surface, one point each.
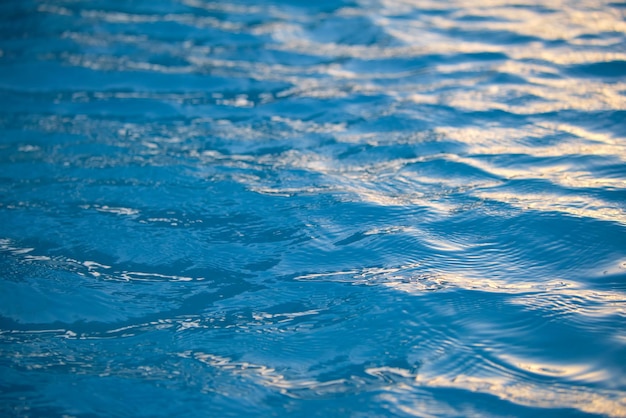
{"type": "Point", "coordinates": [335, 208]}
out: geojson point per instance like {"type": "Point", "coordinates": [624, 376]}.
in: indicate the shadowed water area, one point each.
{"type": "Point", "coordinates": [361, 208]}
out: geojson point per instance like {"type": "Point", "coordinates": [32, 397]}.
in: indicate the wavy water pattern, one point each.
{"type": "Point", "coordinates": [333, 208]}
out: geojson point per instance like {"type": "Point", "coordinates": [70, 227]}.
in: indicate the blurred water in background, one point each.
{"type": "Point", "coordinates": [335, 208]}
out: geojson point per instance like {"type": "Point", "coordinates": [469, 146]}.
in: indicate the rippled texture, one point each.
{"type": "Point", "coordinates": [325, 208]}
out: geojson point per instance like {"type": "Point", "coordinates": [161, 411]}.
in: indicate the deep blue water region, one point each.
{"type": "Point", "coordinates": [285, 208]}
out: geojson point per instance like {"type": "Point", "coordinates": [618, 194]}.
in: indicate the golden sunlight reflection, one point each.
{"type": "Point", "coordinates": [579, 301]}
{"type": "Point", "coordinates": [577, 205]}
{"type": "Point", "coordinates": [580, 372]}
{"type": "Point", "coordinates": [606, 402]}
{"type": "Point", "coordinates": [498, 140]}
{"type": "Point", "coordinates": [504, 386]}
{"type": "Point", "coordinates": [268, 376]}
{"type": "Point", "coordinates": [570, 23]}
{"type": "Point", "coordinates": [543, 97]}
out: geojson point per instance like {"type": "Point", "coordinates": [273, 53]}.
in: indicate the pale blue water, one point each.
{"type": "Point", "coordinates": [361, 208]}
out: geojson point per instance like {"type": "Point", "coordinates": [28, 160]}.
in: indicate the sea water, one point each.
{"type": "Point", "coordinates": [327, 208]}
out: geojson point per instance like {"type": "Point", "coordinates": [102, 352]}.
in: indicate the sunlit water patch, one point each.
{"type": "Point", "coordinates": [333, 208]}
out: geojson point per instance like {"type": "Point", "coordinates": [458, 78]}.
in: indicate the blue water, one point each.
{"type": "Point", "coordinates": [362, 208]}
